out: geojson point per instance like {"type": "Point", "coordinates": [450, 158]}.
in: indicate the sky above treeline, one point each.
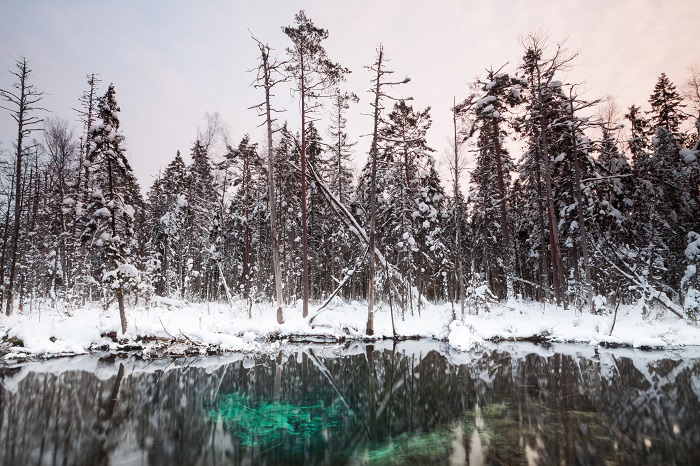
{"type": "Point", "coordinates": [173, 61]}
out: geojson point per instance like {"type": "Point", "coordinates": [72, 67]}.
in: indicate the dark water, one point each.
{"type": "Point", "coordinates": [413, 403]}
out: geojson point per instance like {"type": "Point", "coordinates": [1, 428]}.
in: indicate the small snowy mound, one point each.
{"type": "Point", "coordinates": [464, 338]}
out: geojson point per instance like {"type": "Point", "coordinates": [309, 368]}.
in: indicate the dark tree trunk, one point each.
{"type": "Point", "coordinates": [506, 249]}
{"type": "Point", "coordinates": [369, 330]}
{"type": "Point", "coordinates": [458, 216]}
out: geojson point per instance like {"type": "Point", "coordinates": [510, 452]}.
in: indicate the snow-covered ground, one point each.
{"type": "Point", "coordinates": [189, 328]}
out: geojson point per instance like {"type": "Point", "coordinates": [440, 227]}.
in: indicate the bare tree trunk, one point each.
{"type": "Point", "coordinates": [20, 117]}
{"type": "Point", "coordinates": [31, 195]}
{"type": "Point", "coordinates": [5, 237]}
{"type": "Point", "coordinates": [16, 226]}
{"type": "Point", "coordinates": [120, 290]}
{"type": "Point", "coordinates": [557, 266]}
{"type": "Point", "coordinates": [80, 251]}
{"type": "Point", "coordinates": [246, 232]}
{"type": "Point", "coordinates": [583, 236]}
{"type": "Point", "coordinates": [507, 253]}
{"type": "Point", "coordinates": [304, 213]}
{"type": "Point", "coordinates": [122, 310]}
{"type": "Point", "coordinates": [458, 214]}
{"type": "Point", "coordinates": [378, 84]}
{"type": "Point", "coordinates": [373, 201]}
{"type": "Point", "coordinates": [267, 68]}
{"type": "Point", "coordinates": [558, 62]}
{"type": "Point", "coordinates": [544, 273]}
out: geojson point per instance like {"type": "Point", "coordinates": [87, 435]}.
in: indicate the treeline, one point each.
{"type": "Point", "coordinates": [582, 213]}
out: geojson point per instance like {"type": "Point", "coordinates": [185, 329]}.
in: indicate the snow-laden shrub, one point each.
{"type": "Point", "coordinates": [479, 297]}
{"type": "Point", "coordinates": [600, 304]}
{"type": "Point", "coordinates": [690, 283]}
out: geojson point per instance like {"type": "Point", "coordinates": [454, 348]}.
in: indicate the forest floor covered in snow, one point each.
{"type": "Point", "coordinates": [175, 328]}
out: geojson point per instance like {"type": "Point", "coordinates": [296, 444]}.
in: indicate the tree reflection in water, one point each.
{"type": "Point", "coordinates": [412, 403]}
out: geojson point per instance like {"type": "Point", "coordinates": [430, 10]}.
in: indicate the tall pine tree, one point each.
{"type": "Point", "coordinates": [113, 206]}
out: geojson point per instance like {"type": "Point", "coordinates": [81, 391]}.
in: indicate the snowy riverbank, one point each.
{"type": "Point", "coordinates": [176, 328]}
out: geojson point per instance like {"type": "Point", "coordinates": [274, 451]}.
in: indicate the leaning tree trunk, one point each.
{"type": "Point", "coordinates": [122, 310]}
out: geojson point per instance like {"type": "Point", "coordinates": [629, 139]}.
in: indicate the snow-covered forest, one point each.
{"type": "Point", "coordinates": [548, 196]}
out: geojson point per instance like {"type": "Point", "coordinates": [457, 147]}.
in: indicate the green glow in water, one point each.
{"type": "Point", "coordinates": [264, 422]}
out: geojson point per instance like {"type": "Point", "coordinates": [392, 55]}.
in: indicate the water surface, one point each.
{"type": "Point", "coordinates": [409, 403]}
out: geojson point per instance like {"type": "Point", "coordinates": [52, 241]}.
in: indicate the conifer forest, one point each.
{"type": "Point", "coordinates": [545, 195]}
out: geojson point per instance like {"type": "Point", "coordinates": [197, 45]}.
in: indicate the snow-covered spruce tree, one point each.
{"type": "Point", "coordinates": [201, 210]}
{"type": "Point", "coordinates": [433, 262]}
{"type": "Point", "coordinates": [612, 229]}
{"type": "Point", "coordinates": [314, 73]}
{"type": "Point", "coordinates": [649, 251]}
{"type": "Point", "coordinates": [530, 226]}
{"type": "Point", "coordinates": [6, 198]}
{"type": "Point", "coordinates": [456, 237]}
{"type": "Point", "coordinates": [83, 282]}
{"type": "Point", "coordinates": [675, 206]}
{"type": "Point", "coordinates": [30, 264]}
{"type": "Point", "coordinates": [485, 226]}
{"type": "Point", "coordinates": [666, 107]}
{"type": "Point", "coordinates": [340, 178]}
{"type": "Point", "coordinates": [321, 219]}
{"type": "Point", "coordinates": [491, 182]}
{"type": "Point", "coordinates": [404, 162]}
{"type": "Point", "coordinates": [58, 209]}
{"type": "Point", "coordinates": [638, 141]}
{"type": "Point", "coordinates": [246, 224]}
{"type": "Point", "coordinates": [288, 207]}
{"type": "Point", "coordinates": [542, 113]}
{"type": "Point", "coordinates": [577, 203]}
{"type": "Point", "coordinates": [370, 198]}
{"type": "Point", "coordinates": [690, 283]}
{"type": "Point", "coordinates": [166, 221]}
{"type": "Point", "coordinates": [214, 255]}
{"type": "Point", "coordinates": [454, 221]}
{"type": "Point", "coordinates": [263, 282]}
{"type": "Point", "coordinates": [668, 159]}
{"type": "Point", "coordinates": [345, 250]}
{"type": "Point", "coordinates": [112, 210]}
{"type": "Point", "coordinates": [662, 211]}
{"type": "Point", "coordinates": [643, 214]}
{"type": "Point", "coordinates": [153, 273]}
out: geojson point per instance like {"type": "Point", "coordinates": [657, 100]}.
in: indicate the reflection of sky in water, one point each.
{"type": "Point", "coordinates": [409, 404]}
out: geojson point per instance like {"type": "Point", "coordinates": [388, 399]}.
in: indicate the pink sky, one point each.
{"type": "Point", "coordinates": [172, 61]}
